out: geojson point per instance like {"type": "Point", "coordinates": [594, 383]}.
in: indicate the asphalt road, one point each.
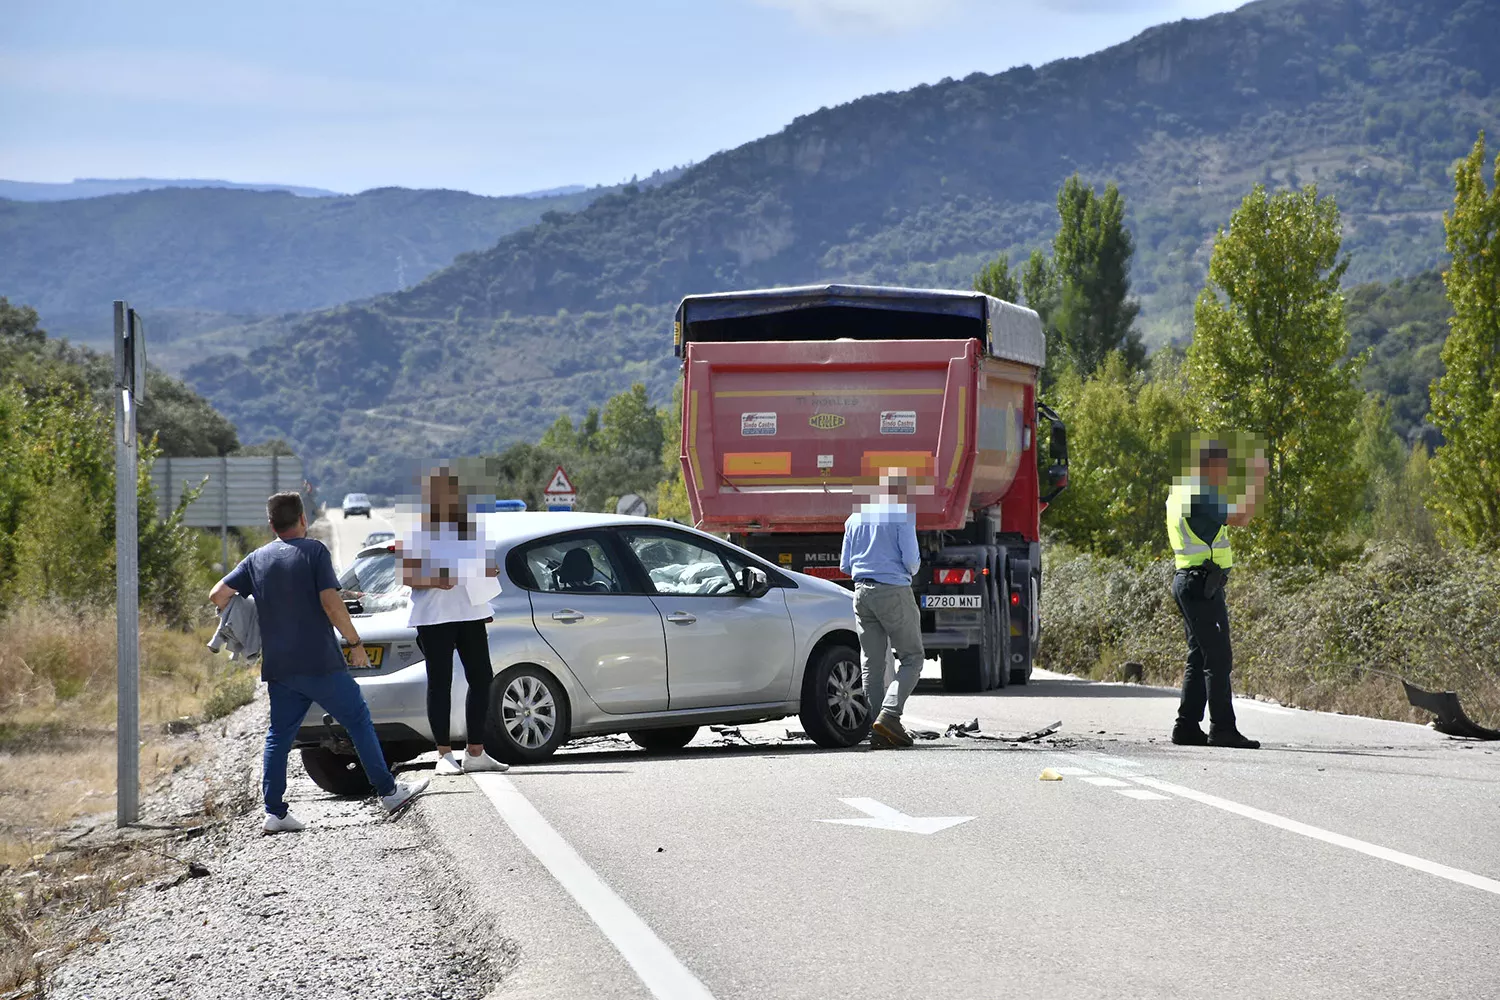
{"type": "Point", "coordinates": [1349, 858]}
{"type": "Point", "coordinates": [345, 535]}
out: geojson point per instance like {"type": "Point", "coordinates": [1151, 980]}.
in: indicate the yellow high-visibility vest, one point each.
{"type": "Point", "coordinates": [1187, 548]}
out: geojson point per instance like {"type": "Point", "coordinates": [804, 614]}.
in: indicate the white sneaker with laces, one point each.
{"type": "Point", "coordinates": [448, 764]}
{"type": "Point", "coordinates": [482, 762]}
{"type": "Point", "coordinates": [282, 824]}
{"type": "Point", "coordinates": [403, 794]}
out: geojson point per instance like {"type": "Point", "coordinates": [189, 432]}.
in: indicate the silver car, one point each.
{"type": "Point", "coordinates": [609, 624]}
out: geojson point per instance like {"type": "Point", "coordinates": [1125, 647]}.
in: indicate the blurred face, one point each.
{"type": "Point", "coordinates": [1216, 473]}
{"type": "Point", "coordinates": [442, 497]}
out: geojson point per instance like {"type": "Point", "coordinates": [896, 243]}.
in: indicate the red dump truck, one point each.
{"type": "Point", "coordinates": [794, 402]}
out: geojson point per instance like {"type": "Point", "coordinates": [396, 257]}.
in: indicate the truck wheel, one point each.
{"type": "Point", "coordinates": [336, 773]}
{"type": "Point", "coordinates": [528, 716]}
{"type": "Point", "coordinates": [663, 740]}
{"type": "Point", "coordinates": [835, 712]}
{"type": "Point", "coordinates": [999, 651]}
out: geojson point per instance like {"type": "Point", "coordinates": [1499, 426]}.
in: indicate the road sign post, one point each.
{"type": "Point", "coordinates": [560, 494]}
{"type": "Point", "coordinates": [130, 384]}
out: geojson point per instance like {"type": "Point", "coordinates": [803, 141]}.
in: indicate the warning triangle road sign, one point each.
{"type": "Point", "coordinates": [560, 483]}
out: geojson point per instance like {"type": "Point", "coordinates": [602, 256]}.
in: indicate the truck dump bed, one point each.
{"type": "Point", "coordinates": [796, 400]}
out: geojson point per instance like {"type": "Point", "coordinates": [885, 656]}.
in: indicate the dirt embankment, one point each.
{"type": "Point", "coordinates": [195, 902]}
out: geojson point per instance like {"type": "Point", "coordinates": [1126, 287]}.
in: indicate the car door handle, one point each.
{"type": "Point", "coordinates": [681, 618]}
{"type": "Point", "coordinates": [567, 616]}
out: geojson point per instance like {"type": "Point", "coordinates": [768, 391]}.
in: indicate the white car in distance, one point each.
{"type": "Point", "coordinates": [609, 624]}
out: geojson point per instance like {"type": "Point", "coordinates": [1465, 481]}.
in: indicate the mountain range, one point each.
{"type": "Point", "coordinates": [1372, 100]}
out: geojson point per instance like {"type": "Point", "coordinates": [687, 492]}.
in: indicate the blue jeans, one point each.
{"type": "Point", "coordinates": [341, 698]}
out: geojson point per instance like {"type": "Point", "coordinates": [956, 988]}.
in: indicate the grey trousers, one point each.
{"type": "Point", "coordinates": [886, 618]}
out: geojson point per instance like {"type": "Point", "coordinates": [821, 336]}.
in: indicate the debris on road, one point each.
{"type": "Point", "coordinates": [970, 731]}
{"type": "Point", "coordinates": [1451, 719]}
{"type": "Point", "coordinates": [1049, 775]}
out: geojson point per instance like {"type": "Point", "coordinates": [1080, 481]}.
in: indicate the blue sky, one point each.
{"type": "Point", "coordinates": [482, 95]}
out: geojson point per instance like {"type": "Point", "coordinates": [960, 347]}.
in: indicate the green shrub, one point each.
{"type": "Point", "coordinates": [1299, 637]}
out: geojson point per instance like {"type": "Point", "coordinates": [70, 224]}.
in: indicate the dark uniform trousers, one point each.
{"type": "Point", "coordinates": [1209, 659]}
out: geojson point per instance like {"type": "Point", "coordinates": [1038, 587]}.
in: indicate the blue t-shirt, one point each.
{"type": "Point", "coordinates": [285, 577]}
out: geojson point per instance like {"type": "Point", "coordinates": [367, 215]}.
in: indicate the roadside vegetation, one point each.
{"type": "Point", "coordinates": [1378, 541]}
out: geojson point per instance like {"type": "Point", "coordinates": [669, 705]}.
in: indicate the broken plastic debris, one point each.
{"type": "Point", "coordinates": [1050, 775]}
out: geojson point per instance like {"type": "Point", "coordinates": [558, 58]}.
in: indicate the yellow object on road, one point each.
{"type": "Point", "coordinates": [1050, 775]}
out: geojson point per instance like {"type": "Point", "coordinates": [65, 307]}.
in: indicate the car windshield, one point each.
{"type": "Point", "coordinates": [356, 498]}
{"type": "Point", "coordinates": [372, 573]}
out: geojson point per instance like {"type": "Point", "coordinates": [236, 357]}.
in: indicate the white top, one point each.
{"type": "Point", "coordinates": [465, 559]}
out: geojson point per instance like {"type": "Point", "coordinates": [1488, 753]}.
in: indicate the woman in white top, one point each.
{"type": "Point", "coordinates": [452, 574]}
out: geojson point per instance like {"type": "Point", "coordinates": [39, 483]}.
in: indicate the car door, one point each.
{"type": "Point", "coordinates": [601, 623]}
{"type": "Point", "coordinates": [723, 647]}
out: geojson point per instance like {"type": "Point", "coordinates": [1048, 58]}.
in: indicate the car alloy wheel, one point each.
{"type": "Point", "coordinates": [528, 712]}
{"type": "Point", "coordinates": [848, 702]}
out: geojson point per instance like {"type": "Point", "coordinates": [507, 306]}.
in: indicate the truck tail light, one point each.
{"type": "Point", "coordinates": [953, 576]}
{"type": "Point", "coordinates": [1015, 598]}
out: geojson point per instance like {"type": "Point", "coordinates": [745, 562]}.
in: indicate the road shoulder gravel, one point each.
{"type": "Point", "coordinates": [358, 905]}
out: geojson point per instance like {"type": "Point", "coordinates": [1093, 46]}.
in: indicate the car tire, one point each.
{"type": "Point", "coordinates": [832, 699]}
{"type": "Point", "coordinates": [663, 740]}
{"type": "Point", "coordinates": [336, 773]}
{"type": "Point", "coordinates": [529, 719]}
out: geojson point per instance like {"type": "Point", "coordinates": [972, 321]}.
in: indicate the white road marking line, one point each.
{"type": "Point", "coordinates": [1073, 772]}
{"type": "Point", "coordinates": [1107, 782]}
{"type": "Point", "coordinates": [1327, 836]}
{"type": "Point", "coordinates": [1140, 793]}
{"type": "Point", "coordinates": [658, 968]}
{"type": "Point", "coordinates": [1117, 761]}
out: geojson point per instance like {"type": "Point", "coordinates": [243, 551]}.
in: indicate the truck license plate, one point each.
{"type": "Point", "coordinates": [952, 600]}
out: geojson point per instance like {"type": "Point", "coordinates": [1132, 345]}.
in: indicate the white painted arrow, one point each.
{"type": "Point", "coordinates": [883, 817]}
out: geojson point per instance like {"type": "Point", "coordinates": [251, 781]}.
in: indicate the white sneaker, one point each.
{"type": "Point", "coordinates": [482, 762]}
{"type": "Point", "coordinates": [448, 764]}
{"type": "Point", "coordinates": [282, 824]}
{"type": "Point", "coordinates": [403, 794]}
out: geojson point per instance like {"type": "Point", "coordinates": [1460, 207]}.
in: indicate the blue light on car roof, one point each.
{"type": "Point", "coordinates": [498, 506]}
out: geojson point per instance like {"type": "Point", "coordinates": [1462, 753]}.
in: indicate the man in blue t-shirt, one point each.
{"type": "Point", "coordinates": [298, 605]}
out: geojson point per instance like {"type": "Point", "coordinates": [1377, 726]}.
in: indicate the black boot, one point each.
{"type": "Point", "coordinates": [1189, 734]}
{"type": "Point", "coordinates": [1226, 737]}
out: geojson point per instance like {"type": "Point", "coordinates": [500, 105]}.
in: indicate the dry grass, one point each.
{"type": "Point", "coordinates": [57, 765]}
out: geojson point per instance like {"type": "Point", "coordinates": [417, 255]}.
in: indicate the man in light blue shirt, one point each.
{"type": "Point", "coordinates": [880, 553]}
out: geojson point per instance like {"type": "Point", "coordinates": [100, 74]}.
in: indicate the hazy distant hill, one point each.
{"type": "Point", "coordinates": [94, 187]}
{"type": "Point", "coordinates": [1372, 99]}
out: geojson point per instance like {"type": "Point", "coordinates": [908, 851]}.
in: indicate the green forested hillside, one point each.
{"type": "Point", "coordinates": [1402, 324]}
{"type": "Point", "coordinates": [1370, 99]}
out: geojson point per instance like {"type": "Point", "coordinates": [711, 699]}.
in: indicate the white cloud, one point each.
{"type": "Point", "coordinates": [843, 16]}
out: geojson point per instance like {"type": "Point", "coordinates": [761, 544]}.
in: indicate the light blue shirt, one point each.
{"type": "Point", "coordinates": [880, 544]}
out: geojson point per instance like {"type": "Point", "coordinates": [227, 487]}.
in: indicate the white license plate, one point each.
{"type": "Point", "coordinates": [952, 601]}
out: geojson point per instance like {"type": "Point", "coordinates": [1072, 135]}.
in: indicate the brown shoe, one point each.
{"type": "Point", "coordinates": [888, 725]}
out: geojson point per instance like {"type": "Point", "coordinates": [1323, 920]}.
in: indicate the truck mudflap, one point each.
{"type": "Point", "coordinates": [1024, 591]}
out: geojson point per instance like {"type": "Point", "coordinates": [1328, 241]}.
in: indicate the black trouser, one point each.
{"type": "Point", "coordinates": [437, 643]}
{"type": "Point", "coordinates": [1209, 658]}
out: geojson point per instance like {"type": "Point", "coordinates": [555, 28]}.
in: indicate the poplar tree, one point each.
{"type": "Point", "coordinates": [997, 279]}
{"type": "Point", "coordinates": [1091, 258]}
{"type": "Point", "coordinates": [1466, 397]}
{"type": "Point", "coordinates": [1269, 357]}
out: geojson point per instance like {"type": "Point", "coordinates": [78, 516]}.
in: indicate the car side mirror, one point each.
{"type": "Point", "coordinates": [753, 582]}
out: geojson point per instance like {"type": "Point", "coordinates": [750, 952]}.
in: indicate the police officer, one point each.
{"type": "Point", "coordinates": [1199, 516]}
